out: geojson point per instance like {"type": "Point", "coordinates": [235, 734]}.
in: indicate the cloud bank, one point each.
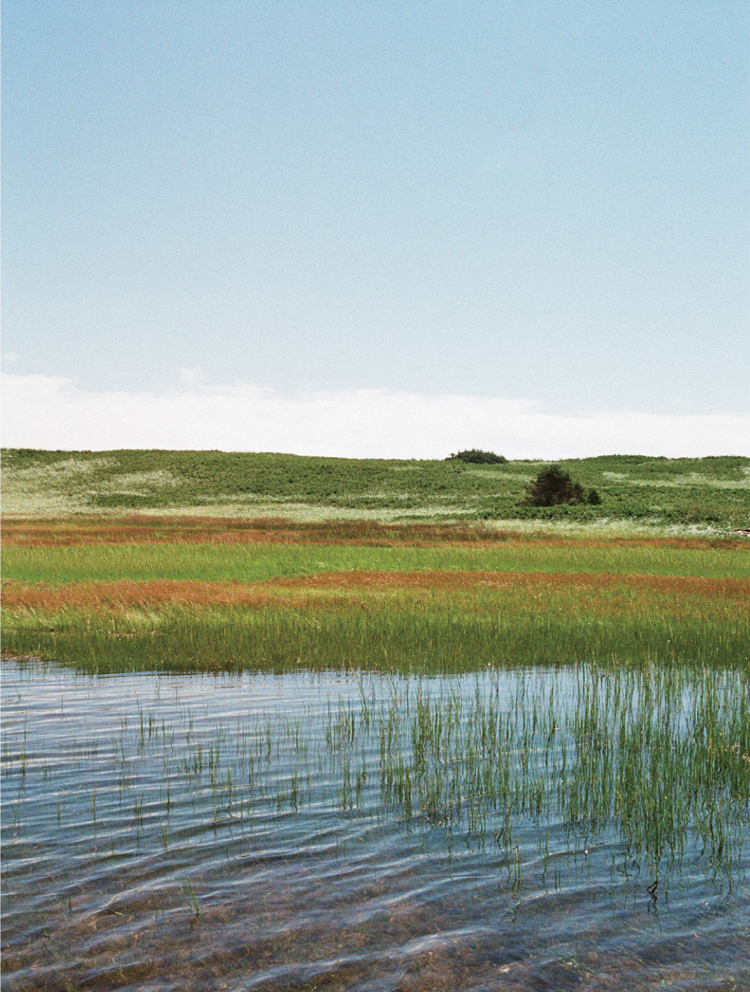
{"type": "Point", "coordinates": [41, 411]}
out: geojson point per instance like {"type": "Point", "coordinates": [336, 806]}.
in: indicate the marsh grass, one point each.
{"type": "Point", "coordinates": [663, 756]}
{"type": "Point", "coordinates": [530, 625]}
{"type": "Point", "coordinates": [285, 552]}
{"type": "Point", "coordinates": [58, 532]}
{"type": "Point", "coordinates": [199, 595]}
{"type": "Point", "coordinates": [564, 708]}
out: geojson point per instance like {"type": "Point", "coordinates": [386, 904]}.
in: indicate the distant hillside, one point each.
{"type": "Point", "coordinates": [705, 492]}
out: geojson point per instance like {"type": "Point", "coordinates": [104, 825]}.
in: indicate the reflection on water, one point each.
{"type": "Point", "coordinates": [528, 830]}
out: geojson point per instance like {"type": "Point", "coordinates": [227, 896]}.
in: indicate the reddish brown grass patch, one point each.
{"type": "Point", "coordinates": [470, 590]}
{"type": "Point", "coordinates": [141, 529]}
{"type": "Point", "coordinates": [456, 580]}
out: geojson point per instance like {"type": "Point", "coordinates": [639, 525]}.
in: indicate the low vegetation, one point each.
{"type": "Point", "coordinates": [712, 494]}
{"type": "Point", "coordinates": [191, 594]}
{"type": "Point", "coordinates": [183, 591]}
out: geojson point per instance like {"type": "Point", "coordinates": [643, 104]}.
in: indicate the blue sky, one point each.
{"type": "Point", "coordinates": [543, 204]}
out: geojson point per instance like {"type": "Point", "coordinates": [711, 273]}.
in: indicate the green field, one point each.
{"type": "Point", "coordinates": [212, 562]}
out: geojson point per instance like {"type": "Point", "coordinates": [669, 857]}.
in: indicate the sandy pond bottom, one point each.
{"type": "Point", "coordinates": [236, 832]}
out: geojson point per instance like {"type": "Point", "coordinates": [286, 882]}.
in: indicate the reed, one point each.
{"type": "Point", "coordinates": [430, 633]}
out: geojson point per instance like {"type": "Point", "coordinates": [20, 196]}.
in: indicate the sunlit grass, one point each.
{"type": "Point", "coordinates": [248, 562]}
{"type": "Point", "coordinates": [383, 621]}
{"type": "Point", "coordinates": [195, 594]}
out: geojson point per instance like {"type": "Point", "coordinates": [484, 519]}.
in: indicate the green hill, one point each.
{"type": "Point", "coordinates": [711, 493]}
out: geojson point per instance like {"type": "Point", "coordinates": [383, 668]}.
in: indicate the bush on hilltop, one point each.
{"type": "Point", "coordinates": [477, 457]}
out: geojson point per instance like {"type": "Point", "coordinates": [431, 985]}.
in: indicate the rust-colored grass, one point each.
{"type": "Point", "coordinates": [147, 530]}
{"type": "Point", "coordinates": [137, 529]}
{"type": "Point", "coordinates": [126, 594]}
{"type": "Point", "coordinates": [450, 580]}
{"type": "Point", "coordinates": [631, 595]}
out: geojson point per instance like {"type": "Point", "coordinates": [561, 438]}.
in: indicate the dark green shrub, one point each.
{"type": "Point", "coordinates": [552, 487]}
{"type": "Point", "coordinates": [594, 498]}
{"type": "Point", "coordinates": [477, 457]}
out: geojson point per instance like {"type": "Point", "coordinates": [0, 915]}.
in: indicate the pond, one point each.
{"type": "Point", "coordinates": [533, 829]}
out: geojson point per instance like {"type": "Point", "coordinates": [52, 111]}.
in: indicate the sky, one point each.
{"type": "Point", "coordinates": [377, 228]}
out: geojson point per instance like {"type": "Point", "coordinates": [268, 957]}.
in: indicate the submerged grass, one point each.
{"type": "Point", "coordinates": [661, 755]}
{"type": "Point", "coordinates": [535, 765]}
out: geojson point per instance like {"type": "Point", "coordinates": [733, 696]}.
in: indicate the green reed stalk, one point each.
{"type": "Point", "coordinates": [397, 637]}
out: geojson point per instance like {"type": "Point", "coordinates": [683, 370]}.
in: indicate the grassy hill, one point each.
{"type": "Point", "coordinates": [706, 493]}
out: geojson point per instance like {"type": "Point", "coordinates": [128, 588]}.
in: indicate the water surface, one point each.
{"type": "Point", "coordinates": [328, 831]}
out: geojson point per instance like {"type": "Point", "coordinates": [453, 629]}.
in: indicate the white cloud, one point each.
{"type": "Point", "coordinates": [191, 377]}
{"type": "Point", "coordinates": [41, 411]}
